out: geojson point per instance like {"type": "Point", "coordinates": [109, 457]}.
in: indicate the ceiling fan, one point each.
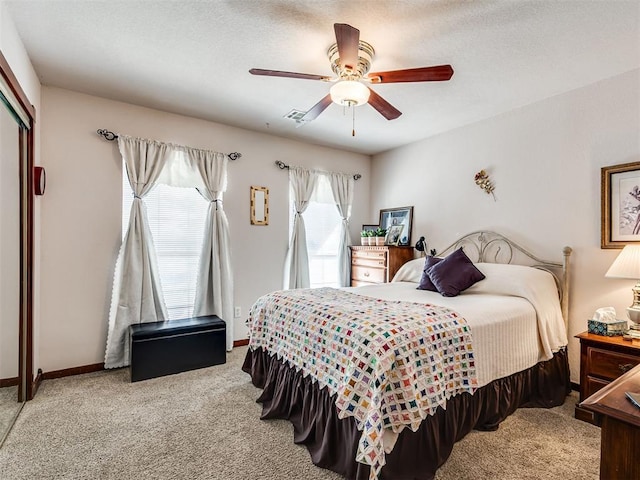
{"type": "Point", "coordinates": [350, 60]}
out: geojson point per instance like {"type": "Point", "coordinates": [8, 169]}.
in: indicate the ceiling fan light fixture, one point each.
{"type": "Point", "coordinates": [350, 60]}
{"type": "Point", "coordinates": [349, 93]}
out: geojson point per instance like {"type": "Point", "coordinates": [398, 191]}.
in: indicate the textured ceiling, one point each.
{"type": "Point", "coordinates": [192, 57]}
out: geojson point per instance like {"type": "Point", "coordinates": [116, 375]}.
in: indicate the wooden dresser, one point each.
{"type": "Point", "coordinates": [602, 360]}
{"type": "Point", "coordinates": [371, 265]}
{"type": "Point", "coordinates": [620, 420]}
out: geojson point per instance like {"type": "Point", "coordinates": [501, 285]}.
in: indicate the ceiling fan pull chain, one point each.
{"type": "Point", "coordinates": [353, 128]}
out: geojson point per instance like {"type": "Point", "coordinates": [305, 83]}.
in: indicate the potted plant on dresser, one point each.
{"type": "Point", "coordinates": [379, 236]}
{"type": "Point", "coordinates": [371, 237]}
{"type": "Point", "coordinates": [364, 237]}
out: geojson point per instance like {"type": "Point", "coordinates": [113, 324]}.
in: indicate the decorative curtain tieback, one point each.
{"type": "Point", "coordinates": [137, 196]}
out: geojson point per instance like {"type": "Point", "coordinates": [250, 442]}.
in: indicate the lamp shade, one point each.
{"type": "Point", "coordinates": [349, 93]}
{"type": "Point", "coordinates": [627, 264]}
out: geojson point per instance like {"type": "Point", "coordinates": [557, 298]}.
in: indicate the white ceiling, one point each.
{"type": "Point", "coordinates": [192, 57]}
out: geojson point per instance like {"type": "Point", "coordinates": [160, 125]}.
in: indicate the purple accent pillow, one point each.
{"type": "Point", "coordinates": [425, 281]}
{"type": "Point", "coordinates": [454, 274]}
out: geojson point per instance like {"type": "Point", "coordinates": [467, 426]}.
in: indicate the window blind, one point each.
{"type": "Point", "coordinates": [176, 220]}
{"type": "Point", "coordinates": [322, 222]}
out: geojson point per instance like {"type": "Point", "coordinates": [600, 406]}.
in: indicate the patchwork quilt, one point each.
{"type": "Point", "coordinates": [390, 364]}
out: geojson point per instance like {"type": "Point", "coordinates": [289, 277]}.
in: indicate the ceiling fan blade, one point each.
{"type": "Point", "coordinates": [280, 73]}
{"type": "Point", "coordinates": [347, 38]}
{"type": "Point", "coordinates": [438, 73]}
{"type": "Point", "coordinates": [317, 109]}
{"type": "Point", "coordinates": [385, 109]}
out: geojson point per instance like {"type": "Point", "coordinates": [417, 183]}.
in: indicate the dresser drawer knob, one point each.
{"type": "Point", "coordinates": [625, 367]}
{"type": "Point", "coordinates": [366, 274]}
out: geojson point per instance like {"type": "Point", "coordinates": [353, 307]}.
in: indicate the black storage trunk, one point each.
{"type": "Point", "coordinates": [164, 348]}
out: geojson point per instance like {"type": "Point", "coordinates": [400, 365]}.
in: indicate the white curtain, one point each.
{"type": "Point", "coordinates": [342, 186]}
{"type": "Point", "coordinates": [214, 291]}
{"type": "Point", "coordinates": [296, 267]}
{"type": "Point", "coordinates": [137, 293]}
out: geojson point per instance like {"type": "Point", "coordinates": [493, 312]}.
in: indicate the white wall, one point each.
{"type": "Point", "coordinates": [545, 161]}
{"type": "Point", "coordinates": [15, 53]}
{"type": "Point", "coordinates": [13, 50]}
{"type": "Point", "coordinates": [81, 211]}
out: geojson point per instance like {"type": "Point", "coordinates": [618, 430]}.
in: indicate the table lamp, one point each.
{"type": "Point", "coordinates": [421, 245]}
{"type": "Point", "coordinates": [627, 265]}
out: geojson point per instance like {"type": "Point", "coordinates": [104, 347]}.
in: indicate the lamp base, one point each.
{"type": "Point", "coordinates": [632, 335]}
{"type": "Point", "coordinates": [633, 312]}
{"type": "Point", "coordinates": [634, 329]}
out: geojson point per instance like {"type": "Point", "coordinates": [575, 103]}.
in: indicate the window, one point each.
{"type": "Point", "coordinates": [322, 222]}
{"type": "Point", "coordinates": [176, 220]}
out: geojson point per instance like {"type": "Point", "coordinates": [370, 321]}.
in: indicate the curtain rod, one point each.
{"type": "Point", "coordinates": [284, 166]}
{"type": "Point", "coordinates": [110, 136]}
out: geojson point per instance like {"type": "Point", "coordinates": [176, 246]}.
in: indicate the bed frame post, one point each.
{"type": "Point", "coordinates": [566, 271]}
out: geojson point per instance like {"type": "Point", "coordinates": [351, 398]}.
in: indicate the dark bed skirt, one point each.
{"type": "Point", "coordinates": [333, 442]}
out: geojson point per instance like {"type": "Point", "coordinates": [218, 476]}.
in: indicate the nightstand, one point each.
{"type": "Point", "coordinates": [602, 360]}
{"type": "Point", "coordinates": [371, 265]}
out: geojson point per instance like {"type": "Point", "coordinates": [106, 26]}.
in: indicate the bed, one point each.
{"type": "Point", "coordinates": [380, 381]}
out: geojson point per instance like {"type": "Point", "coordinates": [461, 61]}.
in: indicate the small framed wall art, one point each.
{"type": "Point", "coordinates": [620, 203]}
{"type": "Point", "coordinates": [259, 204]}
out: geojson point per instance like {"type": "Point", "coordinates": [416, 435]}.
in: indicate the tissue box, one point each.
{"type": "Point", "coordinates": [608, 329]}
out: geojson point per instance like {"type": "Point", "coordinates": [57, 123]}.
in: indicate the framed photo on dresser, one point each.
{"type": "Point", "coordinates": [394, 234]}
{"type": "Point", "coordinates": [398, 216]}
{"type": "Point", "coordinates": [620, 203]}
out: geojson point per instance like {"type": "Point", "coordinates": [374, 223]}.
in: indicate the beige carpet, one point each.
{"type": "Point", "coordinates": [205, 425]}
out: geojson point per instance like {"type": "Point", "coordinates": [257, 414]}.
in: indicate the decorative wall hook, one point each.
{"type": "Point", "coordinates": [483, 181]}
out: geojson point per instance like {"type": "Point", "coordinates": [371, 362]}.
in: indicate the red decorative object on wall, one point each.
{"type": "Point", "coordinates": [39, 180]}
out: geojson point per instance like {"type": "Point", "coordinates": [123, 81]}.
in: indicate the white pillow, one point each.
{"type": "Point", "coordinates": [535, 285]}
{"type": "Point", "coordinates": [410, 271]}
{"type": "Point", "coordinates": [506, 279]}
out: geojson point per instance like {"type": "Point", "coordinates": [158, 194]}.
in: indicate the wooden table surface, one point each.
{"type": "Point", "coordinates": [612, 401]}
{"type": "Point", "coordinates": [620, 434]}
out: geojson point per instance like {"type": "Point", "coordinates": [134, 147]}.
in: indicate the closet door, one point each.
{"type": "Point", "coordinates": [16, 247]}
{"type": "Point", "coordinates": [9, 267]}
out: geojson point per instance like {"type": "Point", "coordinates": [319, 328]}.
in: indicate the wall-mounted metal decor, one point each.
{"type": "Point", "coordinates": [259, 206]}
{"type": "Point", "coordinates": [484, 182]}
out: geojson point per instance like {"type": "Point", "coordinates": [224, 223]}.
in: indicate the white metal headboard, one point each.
{"type": "Point", "coordinates": [491, 247]}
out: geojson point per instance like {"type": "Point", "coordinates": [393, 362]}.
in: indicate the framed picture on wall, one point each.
{"type": "Point", "coordinates": [398, 216]}
{"type": "Point", "coordinates": [620, 202]}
